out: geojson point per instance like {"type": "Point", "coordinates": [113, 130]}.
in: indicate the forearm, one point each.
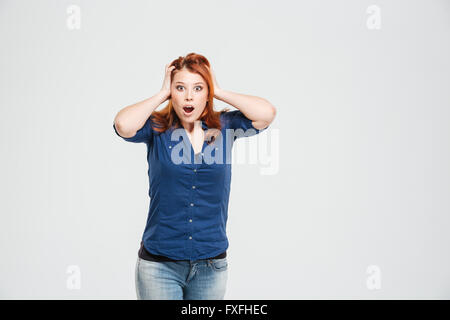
{"type": "Point", "coordinates": [131, 118]}
{"type": "Point", "coordinates": [254, 108]}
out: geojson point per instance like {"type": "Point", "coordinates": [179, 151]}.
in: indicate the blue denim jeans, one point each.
{"type": "Point", "coordinates": [204, 279]}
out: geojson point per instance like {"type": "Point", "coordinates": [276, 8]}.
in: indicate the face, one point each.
{"type": "Point", "coordinates": [188, 88]}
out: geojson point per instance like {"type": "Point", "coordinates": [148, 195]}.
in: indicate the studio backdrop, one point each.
{"type": "Point", "coordinates": [344, 196]}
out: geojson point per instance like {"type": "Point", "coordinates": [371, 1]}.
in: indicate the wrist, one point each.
{"type": "Point", "coordinates": [164, 94]}
{"type": "Point", "coordinates": [218, 93]}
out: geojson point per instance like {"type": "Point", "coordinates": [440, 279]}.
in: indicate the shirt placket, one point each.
{"type": "Point", "coordinates": [193, 200]}
{"type": "Point", "coordinates": [191, 216]}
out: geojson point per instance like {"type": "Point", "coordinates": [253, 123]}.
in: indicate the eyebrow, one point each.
{"type": "Point", "coordinates": [194, 83]}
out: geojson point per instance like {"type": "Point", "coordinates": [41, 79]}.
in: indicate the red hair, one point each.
{"type": "Point", "coordinates": [167, 117]}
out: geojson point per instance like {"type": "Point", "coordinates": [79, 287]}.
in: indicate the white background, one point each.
{"type": "Point", "coordinates": [363, 122]}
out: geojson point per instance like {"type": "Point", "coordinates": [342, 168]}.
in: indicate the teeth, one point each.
{"type": "Point", "coordinates": [188, 108]}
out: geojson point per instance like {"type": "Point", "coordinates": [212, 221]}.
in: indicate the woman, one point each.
{"type": "Point", "coordinates": [183, 248]}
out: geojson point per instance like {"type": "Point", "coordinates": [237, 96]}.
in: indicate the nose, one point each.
{"type": "Point", "coordinates": [188, 94]}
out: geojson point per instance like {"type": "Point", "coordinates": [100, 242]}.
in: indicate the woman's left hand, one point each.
{"type": "Point", "coordinates": [215, 84]}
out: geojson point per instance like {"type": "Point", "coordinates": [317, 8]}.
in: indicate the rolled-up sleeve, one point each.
{"type": "Point", "coordinates": [144, 134]}
{"type": "Point", "coordinates": [237, 120]}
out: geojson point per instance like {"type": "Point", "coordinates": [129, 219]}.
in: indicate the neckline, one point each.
{"type": "Point", "coordinates": [192, 146]}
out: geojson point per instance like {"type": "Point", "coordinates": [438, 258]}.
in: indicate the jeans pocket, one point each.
{"type": "Point", "coordinates": [219, 264]}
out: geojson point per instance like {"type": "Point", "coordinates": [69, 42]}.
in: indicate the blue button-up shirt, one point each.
{"type": "Point", "coordinates": [189, 192]}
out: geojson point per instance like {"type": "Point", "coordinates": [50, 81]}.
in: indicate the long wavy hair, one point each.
{"type": "Point", "coordinates": [167, 118]}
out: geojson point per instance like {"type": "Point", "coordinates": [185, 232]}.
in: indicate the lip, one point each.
{"type": "Point", "coordinates": [190, 113]}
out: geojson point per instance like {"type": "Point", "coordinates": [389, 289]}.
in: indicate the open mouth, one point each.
{"type": "Point", "coordinates": [188, 109]}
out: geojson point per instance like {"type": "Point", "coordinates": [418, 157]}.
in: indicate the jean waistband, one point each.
{"type": "Point", "coordinates": [144, 254]}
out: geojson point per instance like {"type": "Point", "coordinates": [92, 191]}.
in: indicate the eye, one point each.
{"type": "Point", "coordinates": [200, 87]}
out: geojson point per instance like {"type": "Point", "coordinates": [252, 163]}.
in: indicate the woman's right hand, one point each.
{"type": "Point", "coordinates": [166, 83]}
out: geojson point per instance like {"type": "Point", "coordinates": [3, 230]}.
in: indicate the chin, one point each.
{"type": "Point", "coordinates": [190, 119]}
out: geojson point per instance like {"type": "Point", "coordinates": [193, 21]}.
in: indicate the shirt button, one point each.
{"type": "Point", "coordinates": [190, 220]}
{"type": "Point", "coordinates": [195, 170]}
{"type": "Point", "coordinates": [217, 148]}
{"type": "Point", "coordinates": [190, 237]}
{"type": "Point", "coordinates": [192, 204]}
{"type": "Point", "coordinates": [193, 187]}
